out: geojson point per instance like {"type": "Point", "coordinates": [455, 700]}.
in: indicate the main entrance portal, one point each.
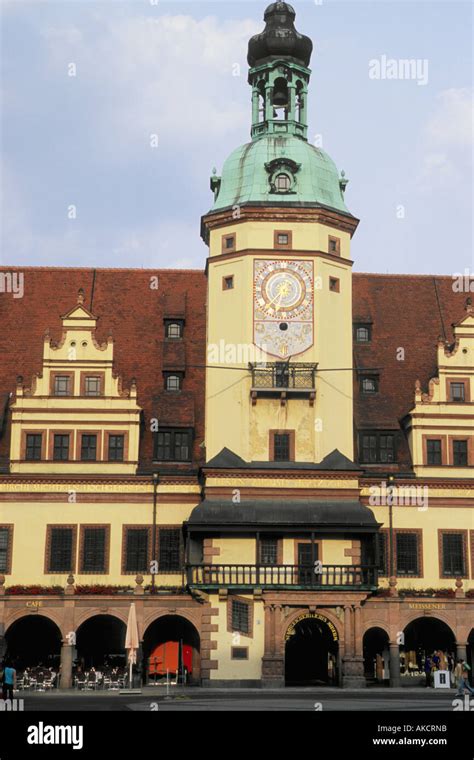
{"type": "Point", "coordinates": [311, 652]}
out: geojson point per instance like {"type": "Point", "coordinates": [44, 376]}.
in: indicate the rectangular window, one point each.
{"type": "Point", "coordinates": [240, 616]}
{"type": "Point", "coordinates": [228, 243]}
{"type": "Point", "coordinates": [136, 550]}
{"type": "Point", "coordinates": [5, 549]}
{"type": "Point", "coordinates": [92, 386]}
{"type": "Point", "coordinates": [334, 245]}
{"type": "Point", "coordinates": [62, 385]}
{"type": "Point", "coordinates": [116, 447]}
{"type": "Point", "coordinates": [94, 543]}
{"type": "Point", "coordinates": [173, 445]}
{"type": "Point", "coordinates": [282, 239]}
{"type": "Point", "coordinates": [460, 453]}
{"type": "Point", "coordinates": [376, 448]}
{"type": "Point", "coordinates": [89, 448]}
{"type": "Point", "coordinates": [61, 447]}
{"type": "Point", "coordinates": [382, 548]}
{"type": "Point", "coordinates": [239, 653]}
{"type": "Point", "coordinates": [169, 556]}
{"type": "Point", "coordinates": [61, 546]}
{"type": "Point", "coordinates": [370, 385]}
{"type": "Point", "coordinates": [268, 551]}
{"type": "Point", "coordinates": [407, 554]}
{"type": "Point", "coordinates": [457, 392]}
{"type": "Point", "coordinates": [281, 447]}
{"type": "Point", "coordinates": [453, 555]}
{"type": "Point", "coordinates": [33, 447]}
{"type": "Point", "coordinates": [433, 452]}
{"type": "Point", "coordinates": [334, 284]}
{"type": "Point", "coordinates": [228, 282]}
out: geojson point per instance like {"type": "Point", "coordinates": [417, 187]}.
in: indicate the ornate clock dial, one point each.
{"type": "Point", "coordinates": [283, 306]}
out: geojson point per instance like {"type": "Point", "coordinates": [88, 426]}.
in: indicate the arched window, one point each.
{"type": "Point", "coordinates": [174, 330]}
{"type": "Point", "coordinates": [173, 382]}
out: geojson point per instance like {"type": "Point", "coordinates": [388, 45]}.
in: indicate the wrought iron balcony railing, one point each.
{"type": "Point", "coordinates": [343, 577]}
{"type": "Point", "coordinates": [282, 378]}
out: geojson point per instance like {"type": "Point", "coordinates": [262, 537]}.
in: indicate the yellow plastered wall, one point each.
{"type": "Point", "coordinates": [230, 344]}
{"type": "Point", "coordinates": [238, 669]}
{"type": "Point", "coordinates": [30, 521]}
{"type": "Point", "coordinates": [430, 521]}
{"type": "Point", "coordinates": [239, 550]}
{"type": "Point", "coordinates": [305, 236]}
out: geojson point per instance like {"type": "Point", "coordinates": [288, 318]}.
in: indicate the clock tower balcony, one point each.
{"type": "Point", "coordinates": [283, 380]}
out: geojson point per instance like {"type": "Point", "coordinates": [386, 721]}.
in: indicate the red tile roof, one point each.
{"type": "Point", "coordinates": [407, 311]}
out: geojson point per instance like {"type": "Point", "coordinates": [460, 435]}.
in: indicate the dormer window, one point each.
{"type": "Point", "coordinates": [282, 183]}
{"type": "Point", "coordinates": [173, 381]}
{"type": "Point", "coordinates": [370, 385]}
{"type": "Point", "coordinates": [362, 333]}
{"type": "Point", "coordinates": [174, 329]}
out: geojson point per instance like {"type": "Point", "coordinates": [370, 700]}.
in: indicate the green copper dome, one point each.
{"type": "Point", "coordinates": [279, 169]}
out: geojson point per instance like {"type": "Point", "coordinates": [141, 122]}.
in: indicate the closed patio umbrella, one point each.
{"type": "Point", "coordinates": [131, 639]}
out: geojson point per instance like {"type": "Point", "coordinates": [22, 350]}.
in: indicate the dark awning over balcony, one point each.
{"type": "Point", "coordinates": [322, 515]}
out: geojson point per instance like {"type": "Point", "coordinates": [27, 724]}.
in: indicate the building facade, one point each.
{"type": "Point", "coordinates": [272, 458]}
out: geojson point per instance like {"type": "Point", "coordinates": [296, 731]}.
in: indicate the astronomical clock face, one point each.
{"type": "Point", "coordinates": [283, 306]}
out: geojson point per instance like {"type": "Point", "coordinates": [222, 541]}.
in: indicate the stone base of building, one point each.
{"type": "Point", "coordinates": [353, 673]}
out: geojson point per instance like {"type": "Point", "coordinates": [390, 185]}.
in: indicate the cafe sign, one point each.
{"type": "Point", "coordinates": [311, 616]}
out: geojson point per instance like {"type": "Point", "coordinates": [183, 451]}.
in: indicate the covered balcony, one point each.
{"type": "Point", "coordinates": [296, 577]}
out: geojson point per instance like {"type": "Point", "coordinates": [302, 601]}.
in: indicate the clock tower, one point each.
{"type": "Point", "coordinates": [279, 309]}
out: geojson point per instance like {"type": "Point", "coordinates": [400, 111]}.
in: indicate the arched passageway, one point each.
{"type": "Point", "coordinates": [171, 648]}
{"type": "Point", "coordinates": [311, 653]}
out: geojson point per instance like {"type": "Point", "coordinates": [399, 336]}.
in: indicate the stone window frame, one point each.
{"type": "Point", "coordinates": [334, 284]}
{"type": "Point", "coordinates": [228, 278]}
{"type": "Point", "coordinates": [271, 443]}
{"type": "Point", "coordinates": [174, 526]}
{"type": "Point", "coordinates": [435, 437]}
{"type": "Point", "coordinates": [90, 373]}
{"type": "Point", "coordinates": [461, 381]}
{"type": "Point", "coordinates": [337, 241]}
{"type": "Point", "coordinates": [105, 453]}
{"type": "Point", "coordinates": [224, 238]}
{"type": "Point", "coordinates": [250, 604]}
{"type": "Point", "coordinates": [11, 528]}
{"type": "Point", "coordinates": [419, 533]}
{"type": "Point", "coordinates": [470, 449]}
{"type": "Point", "coordinates": [283, 246]}
{"type": "Point", "coordinates": [82, 529]}
{"type": "Point", "coordinates": [52, 381]}
{"type": "Point", "coordinates": [99, 452]}
{"type": "Point", "coordinates": [44, 436]}
{"type": "Point", "coordinates": [72, 444]}
{"type": "Point", "coordinates": [47, 552]}
{"type": "Point", "coordinates": [123, 559]}
{"type": "Point", "coordinates": [464, 533]}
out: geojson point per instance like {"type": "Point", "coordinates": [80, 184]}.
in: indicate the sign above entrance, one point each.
{"type": "Point", "coordinates": [312, 616]}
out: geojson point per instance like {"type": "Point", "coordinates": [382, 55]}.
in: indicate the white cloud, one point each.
{"type": "Point", "coordinates": [447, 140]}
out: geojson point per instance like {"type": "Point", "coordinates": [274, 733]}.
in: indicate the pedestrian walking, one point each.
{"type": "Point", "coordinates": [9, 680]}
{"type": "Point", "coordinates": [428, 669]}
{"type": "Point", "coordinates": [463, 680]}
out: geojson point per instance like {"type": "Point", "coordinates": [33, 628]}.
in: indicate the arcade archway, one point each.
{"type": "Point", "coordinates": [422, 637]}
{"type": "Point", "coordinates": [311, 652]}
{"type": "Point", "coordinates": [100, 641]}
{"type": "Point", "coordinates": [375, 644]}
{"type": "Point", "coordinates": [34, 640]}
{"type": "Point", "coordinates": [470, 654]}
{"type": "Point", "coordinates": [171, 648]}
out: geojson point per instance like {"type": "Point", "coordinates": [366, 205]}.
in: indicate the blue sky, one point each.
{"type": "Point", "coordinates": [168, 68]}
